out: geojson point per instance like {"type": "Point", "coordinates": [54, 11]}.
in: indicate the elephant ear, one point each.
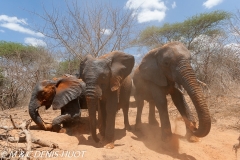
{"type": "Point", "coordinates": [150, 71]}
{"type": "Point", "coordinates": [82, 64]}
{"type": "Point", "coordinates": [67, 89]}
{"type": "Point", "coordinates": [45, 90]}
{"type": "Point", "coordinates": [121, 65]}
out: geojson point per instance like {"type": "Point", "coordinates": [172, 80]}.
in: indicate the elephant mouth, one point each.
{"type": "Point", "coordinates": [93, 91]}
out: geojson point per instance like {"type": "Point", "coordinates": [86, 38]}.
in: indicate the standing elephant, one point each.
{"type": "Point", "coordinates": [65, 93]}
{"type": "Point", "coordinates": [160, 71]}
{"type": "Point", "coordinates": [108, 88]}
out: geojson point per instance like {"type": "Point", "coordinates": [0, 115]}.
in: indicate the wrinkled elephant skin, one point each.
{"type": "Point", "coordinates": [63, 93]}
{"type": "Point", "coordinates": [108, 88]}
{"type": "Point", "coordinates": [163, 71]}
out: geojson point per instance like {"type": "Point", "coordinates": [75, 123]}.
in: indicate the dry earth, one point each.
{"type": "Point", "coordinates": [139, 145]}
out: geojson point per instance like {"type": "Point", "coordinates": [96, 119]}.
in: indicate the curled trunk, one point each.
{"type": "Point", "coordinates": [33, 112]}
{"type": "Point", "coordinates": [190, 84]}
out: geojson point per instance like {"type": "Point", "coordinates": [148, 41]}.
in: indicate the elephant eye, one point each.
{"type": "Point", "coordinates": [167, 63]}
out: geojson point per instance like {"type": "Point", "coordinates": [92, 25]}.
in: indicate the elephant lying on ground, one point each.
{"type": "Point", "coordinates": [108, 88]}
{"type": "Point", "coordinates": [160, 71]}
{"type": "Point", "coordinates": [65, 93]}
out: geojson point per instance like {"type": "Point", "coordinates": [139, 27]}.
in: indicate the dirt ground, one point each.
{"type": "Point", "coordinates": [140, 145]}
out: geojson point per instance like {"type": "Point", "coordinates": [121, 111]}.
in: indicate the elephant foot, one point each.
{"type": "Point", "coordinates": [109, 145]}
{"type": "Point", "coordinates": [153, 122]}
{"type": "Point", "coordinates": [56, 128]}
{"type": "Point", "coordinates": [62, 130]}
{"type": "Point", "coordinates": [48, 127]}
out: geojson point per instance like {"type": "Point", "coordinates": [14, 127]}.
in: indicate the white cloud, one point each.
{"type": "Point", "coordinates": [15, 24]}
{"type": "Point", "coordinates": [106, 31]}
{"type": "Point", "coordinates": [148, 15]}
{"type": "Point", "coordinates": [211, 3]}
{"type": "Point", "coordinates": [174, 5]}
{"type": "Point", "coordinates": [147, 10]}
{"type": "Point", "coordinates": [18, 28]}
{"type": "Point", "coordinates": [2, 31]}
{"type": "Point", "coordinates": [5, 18]}
{"type": "Point", "coordinates": [34, 42]}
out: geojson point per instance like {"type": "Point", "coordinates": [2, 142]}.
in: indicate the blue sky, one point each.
{"type": "Point", "coordinates": [17, 21]}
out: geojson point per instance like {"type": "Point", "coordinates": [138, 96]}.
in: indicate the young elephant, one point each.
{"type": "Point", "coordinates": [107, 88]}
{"type": "Point", "coordinates": [157, 75]}
{"type": "Point", "coordinates": [65, 93]}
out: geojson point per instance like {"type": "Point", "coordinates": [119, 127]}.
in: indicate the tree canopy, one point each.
{"type": "Point", "coordinates": [9, 49]}
{"type": "Point", "coordinates": [202, 24]}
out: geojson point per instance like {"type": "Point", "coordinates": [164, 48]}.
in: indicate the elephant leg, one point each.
{"type": "Point", "coordinates": [151, 117]}
{"type": "Point", "coordinates": [139, 103]}
{"type": "Point", "coordinates": [183, 108]}
{"type": "Point", "coordinates": [102, 117]}
{"type": "Point", "coordinates": [159, 96]}
{"type": "Point", "coordinates": [111, 110]}
{"type": "Point", "coordinates": [56, 123]}
{"type": "Point", "coordinates": [124, 99]}
{"type": "Point", "coordinates": [125, 108]}
{"type": "Point", "coordinates": [73, 109]}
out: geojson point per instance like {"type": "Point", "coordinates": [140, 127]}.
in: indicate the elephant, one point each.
{"type": "Point", "coordinates": [65, 93]}
{"type": "Point", "coordinates": [161, 72]}
{"type": "Point", "coordinates": [108, 88]}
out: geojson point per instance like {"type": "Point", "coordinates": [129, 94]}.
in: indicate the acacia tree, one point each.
{"type": "Point", "coordinates": [90, 28]}
{"type": "Point", "coordinates": [209, 24]}
{"type": "Point", "coordinates": [207, 37]}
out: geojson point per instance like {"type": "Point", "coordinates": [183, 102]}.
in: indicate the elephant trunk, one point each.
{"type": "Point", "coordinates": [33, 112]}
{"type": "Point", "coordinates": [92, 103]}
{"type": "Point", "coordinates": [190, 84]}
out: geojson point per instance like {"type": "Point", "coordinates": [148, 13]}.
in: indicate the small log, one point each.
{"type": "Point", "coordinates": [28, 137]}
{"type": "Point", "coordinates": [6, 128]}
{"type": "Point", "coordinates": [44, 143]}
{"type": "Point", "coordinates": [38, 141]}
{"type": "Point", "coordinates": [16, 139]}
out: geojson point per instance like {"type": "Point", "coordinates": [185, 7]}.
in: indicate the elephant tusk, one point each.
{"type": "Point", "coordinates": [204, 84]}
{"type": "Point", "coordinates": [180, 90]}
{"type": "Point", "coordinates": [177, 87]}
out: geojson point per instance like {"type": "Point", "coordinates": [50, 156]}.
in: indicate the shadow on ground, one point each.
{"type": "Point", "coordinates": [151, 137]}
